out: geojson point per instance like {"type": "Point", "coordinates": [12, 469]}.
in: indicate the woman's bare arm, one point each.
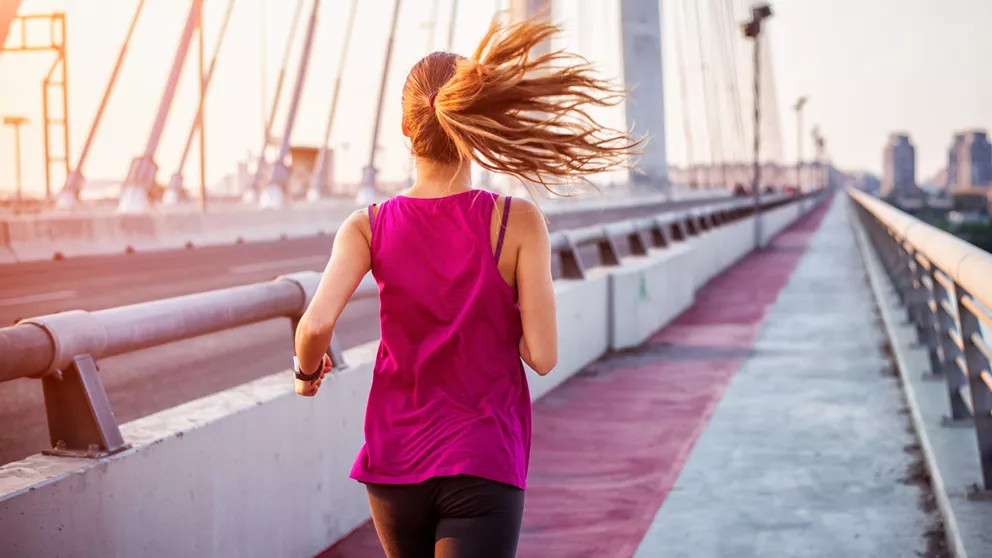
{"type": "Point", "coordinates": [350, 261]}
{"type": "Point", "coordinates": [535, 289]}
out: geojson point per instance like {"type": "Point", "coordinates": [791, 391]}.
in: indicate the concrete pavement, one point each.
{"type": "Point", "coordinates": [809, 453]}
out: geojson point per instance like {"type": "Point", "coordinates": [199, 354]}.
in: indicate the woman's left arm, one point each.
{"type": "Point", "coordinates": [350, 261]}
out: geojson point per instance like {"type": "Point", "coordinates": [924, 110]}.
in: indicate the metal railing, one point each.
{"type": "Point", "coordinates": [945, 285]}
{"type": "Point", "coordinates": [658, 231]}
{"type": "Point", "coordinates": [62, 349]}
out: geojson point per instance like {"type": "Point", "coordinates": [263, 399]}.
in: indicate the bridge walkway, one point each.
{"type": "Point", "coordinates": [764, 421]}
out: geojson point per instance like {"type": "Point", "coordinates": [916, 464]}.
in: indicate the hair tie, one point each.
{"type": "Point", "coordinates": [431, 99]}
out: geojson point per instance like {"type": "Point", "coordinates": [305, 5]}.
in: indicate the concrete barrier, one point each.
{"type": "Point", "coordinates": [75, 236]}
{"type": "Point", "coordinates": [583, 329]}
{"type": "Point", "coordinates": [704, 258]}
{"type": "Point", "coordinates": [732, 242]}
{"type": "Point", "coordinates": [717, 249]}
{"type": "Point", "coordinates": [647, 292]}
{"type": "Point", "coordinates": [707, 259]}
{"type": "Point", "coordinates": [778, 219]}
{"type": "Point", "coordinates": [42, 238]}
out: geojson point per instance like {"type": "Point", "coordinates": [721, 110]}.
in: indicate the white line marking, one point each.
{"type": "Point", "coordinates": [301, 263]}
{"type": "Point", "coordinates": [41, 297]}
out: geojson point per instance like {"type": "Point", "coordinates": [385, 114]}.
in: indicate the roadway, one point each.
{"type": "Point", "coordinates": [148, 381]}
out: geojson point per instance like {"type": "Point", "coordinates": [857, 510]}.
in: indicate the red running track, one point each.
{"type": "Point", "coordinates": [609, 443]}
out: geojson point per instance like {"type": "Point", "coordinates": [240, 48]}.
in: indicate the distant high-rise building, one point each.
{"type": "Point", "coordinates": [953, 162]}
{"type": "Point", "coordinates": [899, 177]}
{"type": "Point", "coordinates": [969, 161]}
{"type": "Point", "coordinates": [974, 160]}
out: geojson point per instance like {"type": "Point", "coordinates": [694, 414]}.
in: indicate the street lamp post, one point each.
{"type": "Point", "coordinates": [16, 122]}
{"type": "Point", "coordinates": [820, 147]}
{"type": "Point", "coordinates": [752, 30]}
{"type": "Point", "coordinates": [800, 104]}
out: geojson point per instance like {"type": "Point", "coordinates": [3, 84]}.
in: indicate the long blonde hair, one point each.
{"type": "Point", "coordinates": [515, 114]}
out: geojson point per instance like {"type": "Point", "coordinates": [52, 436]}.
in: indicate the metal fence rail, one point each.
{"type": "Point", "coordinates": [945, 285]}
{"type": "Point", "coordinates": [62, 349]}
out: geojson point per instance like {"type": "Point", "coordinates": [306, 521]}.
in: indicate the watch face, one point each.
{"type": "Point", "coordinates": [296, 364]}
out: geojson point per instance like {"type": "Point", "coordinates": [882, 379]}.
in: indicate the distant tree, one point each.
{"type": "Point", "coordinates": [970, 201]}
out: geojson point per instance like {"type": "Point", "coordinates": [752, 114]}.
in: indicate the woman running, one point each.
{"type": "Point", "coordinates": [465, 290]}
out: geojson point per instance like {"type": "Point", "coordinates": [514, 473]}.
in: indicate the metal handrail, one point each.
{"type": "Point", "coordinates": [565, 243]}
{"type": "Point", "coordinates": [965, 263]}
{"type": "Point", "coordinates": [945, 284]}
{"type": "Point", "coordinates": [41, 346]}
{"type": "Point", "coordinates": [62, 349]}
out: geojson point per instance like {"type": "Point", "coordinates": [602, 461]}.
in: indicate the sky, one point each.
{"type": "Point", "coordinates": [869, 67]}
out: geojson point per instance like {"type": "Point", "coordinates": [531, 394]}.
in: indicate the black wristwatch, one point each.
{"type": "Point", "coordinates": [306, 377]}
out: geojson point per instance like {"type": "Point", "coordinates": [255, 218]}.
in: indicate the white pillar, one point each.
{"type": "Point", "coordinates": [640, 24]}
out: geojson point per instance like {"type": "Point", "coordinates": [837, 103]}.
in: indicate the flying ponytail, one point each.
{"type": "Point", "coordinates": [512, 113]}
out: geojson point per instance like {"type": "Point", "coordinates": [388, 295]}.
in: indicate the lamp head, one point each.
{"type": "Point", "coordinates": [759, 13]}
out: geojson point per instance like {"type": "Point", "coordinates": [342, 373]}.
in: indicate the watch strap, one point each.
{"type": "Point", "coordinates": [307, 377]}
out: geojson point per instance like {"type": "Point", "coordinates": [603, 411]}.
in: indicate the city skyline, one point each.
{"type": "Point", "coordinates": [861, 86]}
{"type": "Point", "coordinates": [968, 162]}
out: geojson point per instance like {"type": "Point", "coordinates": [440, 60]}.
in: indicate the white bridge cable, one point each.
{"type": "Point", "coordinates": [280, 81]}
{"type": "Point", "coordinates": [694, 57]}
{"type": "Point", "coordinates": [319, 171]}
{"type": "Point", "coordinates": [726, 34]}
{"type": "Point", "coordinates": [708, 79]}
{"type": "Point", "coordinates": [772, 124]}
{"type": "Point", "coordinates": [104, 101]}
{"type": "Point", "coordinates": [206, 83]}
{"type": "Point", "coordinates": [680, 60]}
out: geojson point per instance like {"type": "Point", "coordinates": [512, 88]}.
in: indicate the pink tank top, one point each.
{"type": "Point", "coordinates": [449, 393]}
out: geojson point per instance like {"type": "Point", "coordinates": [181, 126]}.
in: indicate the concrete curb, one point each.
{"type": "Point", "coordinates": [881, 288]}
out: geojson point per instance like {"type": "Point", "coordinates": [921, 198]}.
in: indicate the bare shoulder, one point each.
{"type": "Point", "coordinates": [359, 216]}
{"type": "Point", "coordinates": [358, 221]}
{"type": "Point", "coordinates": [527, 217]}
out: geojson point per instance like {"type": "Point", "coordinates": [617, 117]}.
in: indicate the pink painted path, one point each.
{"type": "Point", "coordinates": [609, 443]}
